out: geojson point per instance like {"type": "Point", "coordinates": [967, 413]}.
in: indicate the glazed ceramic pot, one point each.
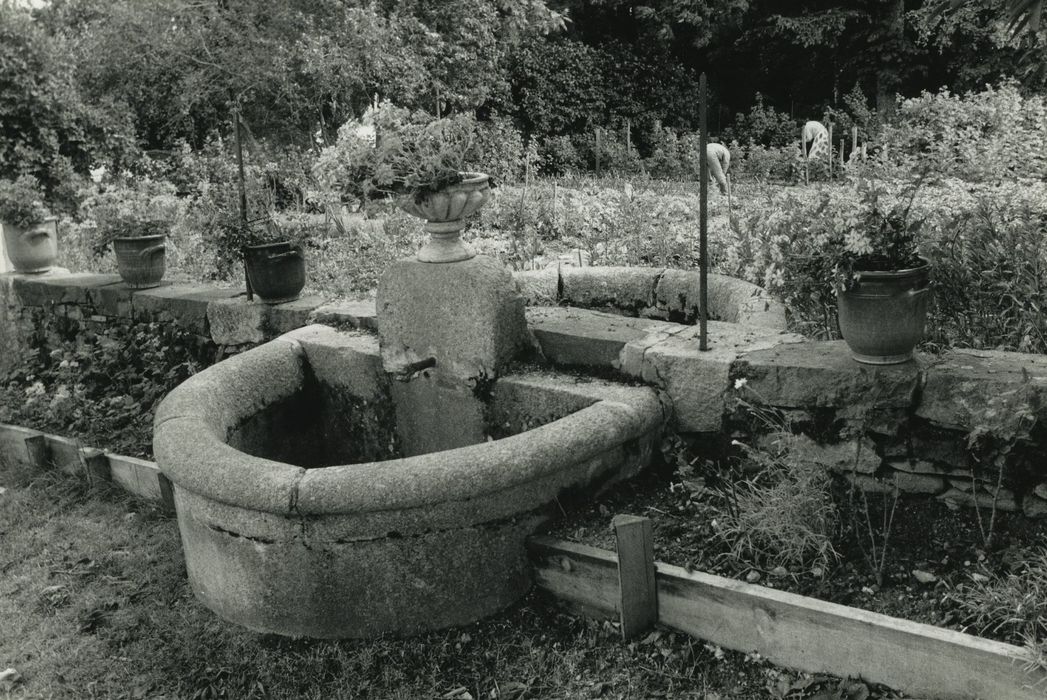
{"type": "Point", "coordinates": [140, 260]}
{"type": "Point", "coordinates": [275, 271]}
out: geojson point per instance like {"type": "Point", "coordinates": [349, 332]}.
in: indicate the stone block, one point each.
{"type": "Point", "coordinates": [113, 300]}
{"type": "Point", "coordinates": [580, 337]}
{"type": "Point", "coordinates": [963, 383]}
{"type": "Point", "coordinates": [627, 289]}
{"type": "Point", "coordinates": [1034, 506]}
{"type": "Point", "coordinates": [955, 498]}
{"type": "Point", "coordinates": [468, 315]}
{"type": "Point", "coordinates": [347, 360]}
{"type": "Point", "coordinates": [941, 447]}
{"type": "Point", "coordinates": [50, 289]}
{"type": "Point", "coordinates": [237, 321]}
{"type": "Point", "coordinates": [857, 456]}
{"type": "Point", "coordinates": [917, 466]}
{"type": "Point", "coordinates": [351, 313]}
{"type": "Point", "coordinates": [819, 374]}
{"type": "Point", "coordinates": [292, 314]}
{"type": "Point", "coordinates": [697, 381]}
{"type": "Point", "coordinates": [539, 287]}
{"type": "Point", "coordinates": [870, 484]}
{"type": "Point", "coordinates": [434, 413]}
{"type": "Point", "coordinates": [910, 482]}
{"type": "Point", "coordinates": [185, 304]}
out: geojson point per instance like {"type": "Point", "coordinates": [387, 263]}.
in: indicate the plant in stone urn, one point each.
{"type": "Point", "coordinates": [425, 162]}
{"type": "Point", "coordinates": [882, 283]}
{"type": "Point", "coordinates": [30, 232]}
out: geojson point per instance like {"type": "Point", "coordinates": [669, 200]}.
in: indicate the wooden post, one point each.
{"type": "Point", "coordinates": [703, 214]}
{"type": "Point", "coordinates": [637, 590]}
{"type": "Point", "coordinates": [96, 464]}
{"type": "Point", "coordinates": [37, 450]}
{"type": "Point", "coordinates": [806, 155]}
{"type": "Point", "coordinates": [597, 151]}
{"type": "Point", "coordinates": [628, 137]}
{"type": "Point", "coordinates": [843, 163]}
{"type": "Point", "coordinates": [830, 150]}
{"type": "Point", "coordinates": [854, 142]}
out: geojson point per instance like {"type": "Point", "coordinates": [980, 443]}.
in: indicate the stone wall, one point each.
{"type": "Point", "coordinates": [903, 427]}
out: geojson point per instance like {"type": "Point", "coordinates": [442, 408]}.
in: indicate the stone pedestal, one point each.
{"type": "Point", "coordinates": [450, 328]}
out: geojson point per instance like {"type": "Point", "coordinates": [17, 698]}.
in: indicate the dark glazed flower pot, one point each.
{"type": "Point", "coordinates": [140, 260]}
{"type": "Point", "coordinates": [445, 213]}
{"type": "Point", "coordinates": [34, 248]}
{"type": "Point", "coordinates": [882, 317]}
{"type": "Point", "coordinates": [275, 271]}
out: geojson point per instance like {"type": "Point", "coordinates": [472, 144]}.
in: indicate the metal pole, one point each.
{"type": "Point", "coordinates": [243, 197]}
{"type": "Point", "coordinates": [703, 215]}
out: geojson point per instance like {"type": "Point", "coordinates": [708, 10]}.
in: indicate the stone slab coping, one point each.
{"type": "Point", "coordinates": [193, 421]}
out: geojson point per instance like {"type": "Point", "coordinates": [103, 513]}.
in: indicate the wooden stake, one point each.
{"type": "Point", "coordinates": [703, 215]}
{"type": "Point", "coordinates": [854, 142]}
{"type": "Point", "coordinates": [806, 155]}
{"type": "Point", "coordinates": [598, 151]}
{"type": "Point", "coordinates": [843, 163]}
{"type": "Point", "coordinates": [830, 150]}
{"type": "Point", "coordinates": [637, 591]}
{"type": "Point", "coordinates": [628, 137]}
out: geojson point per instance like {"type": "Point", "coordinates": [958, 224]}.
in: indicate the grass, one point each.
{"type": "Point", "coordinates": [95, 603]}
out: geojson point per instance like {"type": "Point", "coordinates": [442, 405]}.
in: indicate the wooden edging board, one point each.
{"type": "Point", "coordinates": [34, 449]}
{"type": "Point", "coordinates": [796, 631]}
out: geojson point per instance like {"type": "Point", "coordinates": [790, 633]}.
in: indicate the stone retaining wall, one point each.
{"type": "Point", "coordinates": [903, 427]}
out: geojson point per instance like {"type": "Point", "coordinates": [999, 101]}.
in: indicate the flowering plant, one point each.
{"type": "Point", "coordinates": [879, 234]}
{"type": "Point", "coordinates": [22, 202]}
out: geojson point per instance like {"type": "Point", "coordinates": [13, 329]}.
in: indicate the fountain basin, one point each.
{"type": "Point", "coordinates": [300, 516]}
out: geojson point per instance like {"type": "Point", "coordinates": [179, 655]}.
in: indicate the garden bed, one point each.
{"type": "Point", "coordinates": [937, 568]}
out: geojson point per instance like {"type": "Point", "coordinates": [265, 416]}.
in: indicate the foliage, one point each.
{"type": "Point", "coordinates": [410, 152]}
{"type": "Point", "coordinates": [100, 385]}
{"type": "Point", "coordinates": [990, 135]}
{"type": "Point", "coordinates": [125, 209]}
{"type": "Point", "coordinates": [782, 515]}
{"type": "Point", "coordinates": [763, 125]}
{"type": "Point", "coordinates": [1011, 605]}
{"type": "Point", "coordinates": [51, 129]}
{"type": "Point", "coordinates": [22, 202]}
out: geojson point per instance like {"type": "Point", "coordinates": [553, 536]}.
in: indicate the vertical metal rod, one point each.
{"type": "Point", "coordinates": [243, 196]}
{"type": "Point", "coordinates": [703, 214]}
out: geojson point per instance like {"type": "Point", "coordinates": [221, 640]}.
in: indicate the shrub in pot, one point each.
{"type": "Point", "coordinates": [136, 220]}
{"type": "Point", "coordinates": [273, 255]}
{"type": "Point", "coordinates": [426, 163]}
{"type": "Point", "coordinates": [882, 283]}
{"type": "Point", "coordinates": [30, 232]}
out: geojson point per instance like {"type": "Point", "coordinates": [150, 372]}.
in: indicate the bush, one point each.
{"type": "Point", "coordinates": [100, 386]}
{"type": "Point", "coordinates": [764, 126]}
{"type": "Point", "coordinates": [784, 514]}
{"type": "Point", "coordinates": [993, 135]}
{"type": "Point", "coordinates": [985, 242]}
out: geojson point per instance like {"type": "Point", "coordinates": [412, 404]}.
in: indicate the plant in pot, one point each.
{"type": "Point", "coordinates": [136, 221]}
{"type": "Point", "coordinates": [30, 232]}
{"type": "Point", "coordinates": [422, 161]}
{"type": "Point", "coordinates": [882, 284]}
{"type": "Point", "coordinates": [273, 256]}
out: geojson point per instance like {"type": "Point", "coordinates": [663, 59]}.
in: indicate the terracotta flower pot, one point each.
{"type": "Point", "coordinates": [34, 248]}
{"type": "Point", "coordinates": [275, 271]}
{"type": "Point", "coordinates": [882, 317]}
{"type": "Point", "coordinates": [445, 213]}
{"type": "Point", "coordinates": [140, 260]}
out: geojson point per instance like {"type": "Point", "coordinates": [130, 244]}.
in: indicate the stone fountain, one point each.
{"type": "Point", "coordinates": [336, 484]}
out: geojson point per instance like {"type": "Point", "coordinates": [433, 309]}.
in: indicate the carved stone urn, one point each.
{"type": "Point", "coordinates": [445, 212]}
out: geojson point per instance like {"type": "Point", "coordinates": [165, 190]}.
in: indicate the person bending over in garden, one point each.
{"type": "Point", "coordinates": [815, 141]}
{"type": "Point", "coordinates": [719, 160]}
